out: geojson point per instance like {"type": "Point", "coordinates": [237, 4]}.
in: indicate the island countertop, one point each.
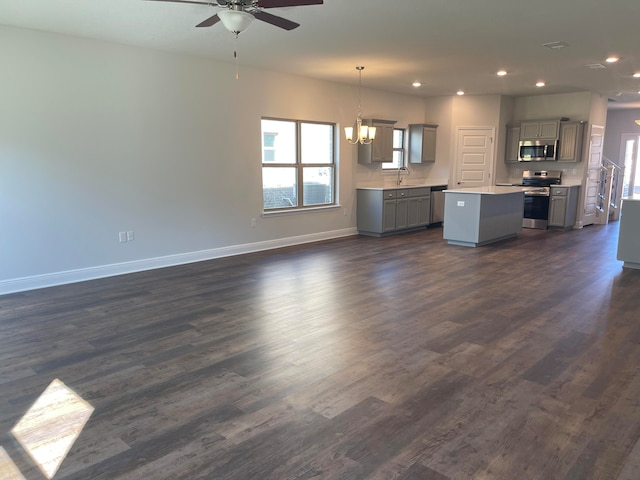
{"type": "Point", "coordinates": [429, 184]}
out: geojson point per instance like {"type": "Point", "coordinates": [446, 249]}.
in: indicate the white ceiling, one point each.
{"type": "Point", "coordinates": [445, 44]}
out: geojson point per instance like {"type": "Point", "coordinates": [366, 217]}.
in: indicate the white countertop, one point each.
{"type": "Point", "coordinates": [491, 190]}
{"type": "Point", "coordinates": [515, 184]}
{"type": "Point", "coordinates": [402, 186]}
{"type": "Point", "coordinates": [568, 184]}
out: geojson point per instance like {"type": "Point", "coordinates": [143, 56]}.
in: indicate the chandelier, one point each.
{"type": "Point", "coordinates": [365, 133]}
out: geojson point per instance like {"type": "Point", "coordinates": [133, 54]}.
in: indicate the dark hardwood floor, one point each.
{"type": "Point", "coordinates": [383, 358]}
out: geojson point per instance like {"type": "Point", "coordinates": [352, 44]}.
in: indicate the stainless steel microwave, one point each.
{"type": "Point", "coordinates": [537, 150]}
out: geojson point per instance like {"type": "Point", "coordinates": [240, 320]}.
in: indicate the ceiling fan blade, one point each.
{"type": "Point", "coordinates": [274, 20]}
{"type": "Point", "coordinates": [183, 1]}
{"type": "Point", "coordinates": [209, 21]}
{"type": "Point", "coordinates": [287, 3]}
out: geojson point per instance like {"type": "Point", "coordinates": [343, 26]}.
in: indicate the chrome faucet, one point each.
{"type": "Point", "coordinates": [399, 178]}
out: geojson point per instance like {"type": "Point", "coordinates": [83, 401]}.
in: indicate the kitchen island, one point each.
{"type": "Point", "coordinates": [629, 237]}
{"type": "Point", "coordinates": [477, 216]}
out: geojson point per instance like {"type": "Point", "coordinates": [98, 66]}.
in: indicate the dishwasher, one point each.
{"type": "Point", "coordinates": [437, 204]}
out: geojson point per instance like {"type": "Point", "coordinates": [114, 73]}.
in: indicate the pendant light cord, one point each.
{"type": "Point", "coordinates": [359, 88]}
{"type": "Point", "coordinates": [235, 56]}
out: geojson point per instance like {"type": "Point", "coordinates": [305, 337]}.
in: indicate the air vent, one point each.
{"type": "Point", "coordinates": [596, 66]}
{"type": "Point", "coordinates": [555, 45]}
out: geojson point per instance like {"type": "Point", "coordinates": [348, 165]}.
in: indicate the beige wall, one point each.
{"type": "Point", "coordinates": [575, 106]}
{"type": "Point", "coordinates": [99, 138]}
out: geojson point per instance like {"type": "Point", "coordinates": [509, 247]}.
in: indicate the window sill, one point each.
{"type": "Point", "coordinates": [295, 211]}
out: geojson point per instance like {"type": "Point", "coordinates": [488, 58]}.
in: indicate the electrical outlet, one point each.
{"type": "Point", "coordinates": [122, 236]}
{"type": "Point", "coordinates": [345, 212]}
{"type": "Point", "coordinates": [253, 222]}
{"type": "Point", "coordinates": [130, 236]}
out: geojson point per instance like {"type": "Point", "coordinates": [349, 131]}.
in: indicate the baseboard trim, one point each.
{"type": "Point", "coordinates": [102, 271]}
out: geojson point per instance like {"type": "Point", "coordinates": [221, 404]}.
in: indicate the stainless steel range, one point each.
{"type": "Point", "coordinates": [536, 199]}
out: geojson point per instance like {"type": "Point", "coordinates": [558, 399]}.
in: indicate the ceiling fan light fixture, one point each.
{"type": "Point", "coordinates": [236, 21]}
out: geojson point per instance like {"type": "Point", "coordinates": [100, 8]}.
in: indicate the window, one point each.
{"type": "Point", "coordinates": [298, 167]}
{"type": "Point", "coordinates": [398, 151]}
{"type": "Point", "coordinates": [268, 147]}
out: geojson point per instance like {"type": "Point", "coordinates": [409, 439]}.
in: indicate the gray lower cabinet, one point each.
{"type": "Point", "coordinates": [563, 206]}
{"type": "Point", "coordinates": [394, 212]}
{"type": "Point", "coordinates": [388, 211]}
{"type": "Point", "coordinates": [419, 207]}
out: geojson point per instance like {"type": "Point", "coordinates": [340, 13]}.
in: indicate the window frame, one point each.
{"type": "Point", "coordinates": [389, 167]}
{"type": "Point", "coordinates": [300, 167]}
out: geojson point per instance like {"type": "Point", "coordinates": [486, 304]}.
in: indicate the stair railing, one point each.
{"type": "Point", "coordinates": [610, 189]}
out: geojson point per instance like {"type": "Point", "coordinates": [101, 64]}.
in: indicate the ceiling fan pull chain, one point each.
{"type": "Point", "coordinates": [235, 55]}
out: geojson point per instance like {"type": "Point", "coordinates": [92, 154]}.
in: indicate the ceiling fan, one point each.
{"type": "Point", "coordinates": [237, 15]}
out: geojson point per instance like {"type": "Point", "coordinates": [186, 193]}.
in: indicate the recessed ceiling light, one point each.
{"type": "Point", "coordinates": [460, 92]}
{"type": "Point", "coordinates": [501, 73]}
{"type": "Point", "coordinates": [540, 84]}
{"type": "Point", "coordinates": [416, 84]}
{"type": "Point", "coordinates": [612, 59]}
{"type": "Point", "coordinates": [636, 75]}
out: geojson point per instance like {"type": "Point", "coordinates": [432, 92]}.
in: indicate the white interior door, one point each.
{"type": "Point", "coordinates": [474, 156]}
{"type": "Point", "coordinates": [593, 175]}
{"type": "Point", "coordinates": [629, 151]}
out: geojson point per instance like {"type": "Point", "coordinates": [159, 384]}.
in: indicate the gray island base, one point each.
{"type": "Point", "coordinates": [629, 237]}
{"type": "Point", "coordinates": [481, 215]}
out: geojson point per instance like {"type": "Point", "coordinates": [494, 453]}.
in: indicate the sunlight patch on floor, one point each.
{"type": "Point", "coordinates": [51, 426]}
{"type": "Point", "coordinates": [8, 469]}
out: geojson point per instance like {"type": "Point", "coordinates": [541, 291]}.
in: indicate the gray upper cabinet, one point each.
{"type": "Point", "coordinates": [422, 143]}
{"type": "Point", "coordinates": [533, 130]}
{"type": "Point", "coordinates": [570, 142]}
{"type": "Point", "coordinates": [513, 139]}
{"type": "Point", "coordinates": [381, 149]}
